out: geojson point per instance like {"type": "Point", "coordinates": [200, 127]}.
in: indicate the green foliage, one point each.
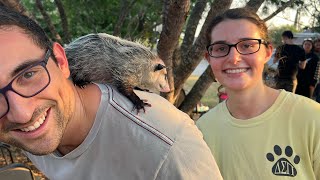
{"type": "Point", "coordinates": [87, 16]}
{"type": "Point", "coordinates": [275, 34]}
{"type": "Point", "coordinates": [268, 3]}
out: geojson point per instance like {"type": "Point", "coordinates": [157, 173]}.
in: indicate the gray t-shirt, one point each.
{"type": "Point", "coordinates": [162, 143]}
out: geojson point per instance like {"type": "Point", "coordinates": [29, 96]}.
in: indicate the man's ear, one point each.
{"type": "Point", "coordinates": [61, 58]}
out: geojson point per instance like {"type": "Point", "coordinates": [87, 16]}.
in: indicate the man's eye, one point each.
{"type": "Point", "coordinates": [28, 75]}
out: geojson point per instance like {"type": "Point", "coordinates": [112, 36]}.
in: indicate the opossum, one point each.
{"type": "Point", "coordinates": [126, 65]}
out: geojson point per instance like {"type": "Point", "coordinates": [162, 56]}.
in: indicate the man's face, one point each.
{"type": "Point", "coordinates": [284, 39]}
{"type": "Point", "coordinates": [35, 124]}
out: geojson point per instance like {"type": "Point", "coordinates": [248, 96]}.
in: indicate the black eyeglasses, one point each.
{"type": "Point", "coordinates": [28, 83]}
{"type": "Point", "coordinates": [247, 46]}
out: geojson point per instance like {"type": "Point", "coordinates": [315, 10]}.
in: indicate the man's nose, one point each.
{"type": "Point", "coordinates": [20, 109]}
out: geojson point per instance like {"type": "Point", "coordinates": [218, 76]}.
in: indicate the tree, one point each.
{"type": "Point", "coordinates": [134, 19]}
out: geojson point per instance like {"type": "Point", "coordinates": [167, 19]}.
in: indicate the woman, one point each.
{"type": "Point", "coordinates": [258, 132]}
{"type": "Point", "coordinates": [307, 78]}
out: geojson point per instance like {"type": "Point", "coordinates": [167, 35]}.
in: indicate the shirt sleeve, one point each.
{"type": "Point", "coordinates": [189, 157]}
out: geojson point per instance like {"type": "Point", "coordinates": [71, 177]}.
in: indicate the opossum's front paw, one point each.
{"type": "Point", "coordinates": [140, 105]}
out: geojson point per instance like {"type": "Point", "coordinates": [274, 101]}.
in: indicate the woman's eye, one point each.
{"type": "Point", "coordinates": [247, 46]}
{"type": "Point", "coordinates": [220, 48]}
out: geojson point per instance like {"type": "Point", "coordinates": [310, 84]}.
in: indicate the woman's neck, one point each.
{"type": "Point", "coordinates": [251, 102]}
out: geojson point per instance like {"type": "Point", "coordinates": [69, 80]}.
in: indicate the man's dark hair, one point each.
{"type": "Point", "coordinates": [10, 18]}
{"type": "Point", "coordinates": [287, 34]}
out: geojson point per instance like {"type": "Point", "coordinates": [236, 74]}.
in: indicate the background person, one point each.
{"type": "Point", "coordinates": [258, 132]}
{"type": "Point", "coordinates": [308, 77]}
{"type": "Point", "coordinates": [316, 94]}
{"type": "Point", "coordinates": [289, 57]}
{"type": "Point", "coordinates": [89, 133]}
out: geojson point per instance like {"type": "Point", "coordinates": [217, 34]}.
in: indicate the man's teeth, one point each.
{"type": "Point", "coordinates": [36, 124]}
{"type": "Point", "coordinates": [232, 71]}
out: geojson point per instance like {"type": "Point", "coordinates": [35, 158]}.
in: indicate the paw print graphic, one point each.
{"type": "Point", "coordinates": [283, 167]}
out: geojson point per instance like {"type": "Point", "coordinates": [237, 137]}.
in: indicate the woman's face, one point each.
{"type": "Point", "coordinates": [307, 46]}
{"type": "Point", "coordinates": [236, 71]}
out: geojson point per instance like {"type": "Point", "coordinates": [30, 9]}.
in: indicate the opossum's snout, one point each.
{"type": "Point", "coordinates": [161, 82]}
{"type": "Point", "coordinates": [164, 88]}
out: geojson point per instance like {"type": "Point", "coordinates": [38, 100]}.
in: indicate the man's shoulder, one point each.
{"type": "Point", "coordinates": [162, 119]}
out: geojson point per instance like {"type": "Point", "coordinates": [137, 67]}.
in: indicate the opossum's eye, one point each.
{"type": "Point", "coordinates": [159, 67]}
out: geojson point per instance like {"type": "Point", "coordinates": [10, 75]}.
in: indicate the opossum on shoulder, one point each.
{"type": "Point", "coordinates": [126, 65]}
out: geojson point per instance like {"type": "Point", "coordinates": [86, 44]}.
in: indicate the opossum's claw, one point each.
{"type": "Point", "coordinates": [140, 105]}
{"type": "Point", "coordinates": [137, 88]}
{"type": "Point", "coordinates": [81, 83]}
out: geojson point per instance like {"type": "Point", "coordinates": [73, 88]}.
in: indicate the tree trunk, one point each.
{"type": "Point", "coordinates": [254, 4]}
{"type": "Point", "coordinates": [192, 25]}
{"type": "Point", "coordinates": [174, 17]}
{"type": "Point", "coordinates": [283, 7]}
{"type": "Point", "coordinates": [64, 21]}
{"type": "Point", "coordinates": [195, 95]}
{"type": "Point", "coordinates": [197, 50]}
{"type": "Point", "coordinates": [125, 10]}
{"type": "Point", "coordinates": [48, 21]}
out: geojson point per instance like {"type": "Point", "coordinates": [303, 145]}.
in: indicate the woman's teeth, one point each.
{"type": "Point", "coordinates": [233, 71]}
{"type": "Point", "coordinates": [36, 125]}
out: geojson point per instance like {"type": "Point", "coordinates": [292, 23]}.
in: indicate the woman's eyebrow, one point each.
{"type": "Point", "coordinates": [240, 39]}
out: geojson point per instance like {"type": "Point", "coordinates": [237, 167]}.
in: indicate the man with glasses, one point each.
{"type": "Point", "coordinates": [90, 133]}
{"type": "Point", "coordinates": [290, 57]}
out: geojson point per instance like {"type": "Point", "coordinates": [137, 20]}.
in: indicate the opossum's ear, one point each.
{"type": "Point", "coordinates": [159, 67]}
{"type": "Point", "coordinates": [61, 58]}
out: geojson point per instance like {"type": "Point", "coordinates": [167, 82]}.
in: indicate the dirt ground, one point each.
{"type": "Point", "coordinates": [19, 157]}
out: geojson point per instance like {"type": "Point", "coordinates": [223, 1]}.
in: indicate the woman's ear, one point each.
{"type": "Point", "coordinates": [269, 51]}
{"type": "Point", "coordinates": [206, 55]}
{"type": "Point", "coordinates": [61, 58]}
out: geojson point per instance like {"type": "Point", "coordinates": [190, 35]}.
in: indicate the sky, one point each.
{"type": "Point", "coordinates": [285, 17]}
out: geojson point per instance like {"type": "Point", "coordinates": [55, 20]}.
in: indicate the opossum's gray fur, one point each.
{"type": "Point", "coordinates": [105, 58]}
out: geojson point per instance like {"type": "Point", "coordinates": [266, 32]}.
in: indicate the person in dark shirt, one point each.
{"type": "Point", "coordinates": [316, 94]}
{"type": "Point", "coordinates": [307, 78]}
{"type": "Point", "coordinates": [290, 57]}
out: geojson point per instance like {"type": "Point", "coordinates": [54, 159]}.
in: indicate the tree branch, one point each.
{"type": "Point", "coordinates": [254, 4]}
{"type": "Point", "coordinates": [284, 6]}
{"type": "Point", "coordinates": [197, 91]}
{"type": "Point", "coordinates": [196, 53]}
{"type": "Point", "coordinates": [64, 21]}
{"type": "Point", "coordinates": [48, 21]}
{"type": "Point", "coordinates": [125, 10]}
{"type": "Point", "coordinates": [15, 5]}
{"type": "Point", "coordinates": [192, 25]}
{"type": "Point", "coordinates": [174, 17]}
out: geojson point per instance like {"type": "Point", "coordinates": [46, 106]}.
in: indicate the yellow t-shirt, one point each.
{"type": "Point", "coordinates": [281, 143]}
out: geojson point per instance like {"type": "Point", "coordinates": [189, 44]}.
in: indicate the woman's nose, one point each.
{"type": "Point", "coordinates": [234, 55]}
